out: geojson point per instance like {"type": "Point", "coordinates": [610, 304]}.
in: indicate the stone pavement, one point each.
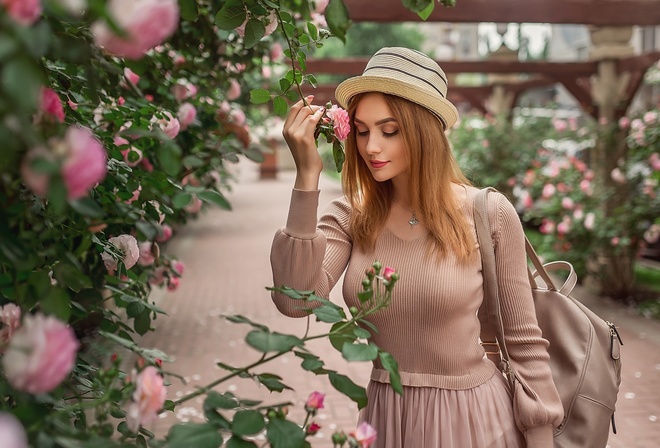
{"type": "Point", "coordinates": [227, 270]}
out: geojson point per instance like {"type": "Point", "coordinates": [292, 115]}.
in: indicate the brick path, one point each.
{"type": "Point", "coordinates": [227, 269]}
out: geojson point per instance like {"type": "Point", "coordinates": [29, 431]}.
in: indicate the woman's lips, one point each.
{"type": "Point", "coordinates": [377, 163]}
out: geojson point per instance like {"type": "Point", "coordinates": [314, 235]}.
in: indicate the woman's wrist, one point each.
{"type": "Point", "coordinates": [307, 181]}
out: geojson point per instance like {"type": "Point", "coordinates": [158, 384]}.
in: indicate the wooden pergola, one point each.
{"type": "Point", "coordinates": [602, 87]}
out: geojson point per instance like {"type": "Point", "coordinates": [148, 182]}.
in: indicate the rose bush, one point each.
{"type": "Point", "coordinates": [118, 121]}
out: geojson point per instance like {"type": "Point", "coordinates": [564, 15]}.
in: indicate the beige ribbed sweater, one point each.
{"type": "Point", "coordinates": [431, 327]}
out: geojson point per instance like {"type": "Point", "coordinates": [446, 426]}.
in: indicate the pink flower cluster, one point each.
{"type": "Point", "coordinates": [82, 163]}
{"type": "Point", "coordinates": [50, 107]}
{"type": "Point", "coordinates": [363, 436]}
{"type": "Point", "coordinates": [147, 23]}
{"type": "Point", "coordinates": [147, 399]}
{"type": "Point", "coordinates": [41, 353]}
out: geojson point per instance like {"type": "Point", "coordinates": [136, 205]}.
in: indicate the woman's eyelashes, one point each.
{"type": "Point", "coordinates": [360, 133]}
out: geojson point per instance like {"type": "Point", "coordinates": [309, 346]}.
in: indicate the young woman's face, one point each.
{"type": "Point", "coordinates": [379, 139]}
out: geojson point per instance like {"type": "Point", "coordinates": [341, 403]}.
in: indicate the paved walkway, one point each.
{"type": "Point", "coordinates": [227, 269]}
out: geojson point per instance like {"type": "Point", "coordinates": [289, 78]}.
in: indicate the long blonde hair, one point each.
{"type": "Point", "coordinates": [432, 170]}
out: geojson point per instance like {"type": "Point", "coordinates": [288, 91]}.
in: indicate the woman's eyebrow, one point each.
{"type": "Point", "coordinates": [379, 122]}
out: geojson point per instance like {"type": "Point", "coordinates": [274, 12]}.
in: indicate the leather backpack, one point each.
{"type": "Point", "coordinates": [584, 349]}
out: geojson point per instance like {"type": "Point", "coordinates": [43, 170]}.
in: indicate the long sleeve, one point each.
{"type": "Point", "coordinates": [537, 407]}
{"type": "Point", "coordinates": [310, 256]}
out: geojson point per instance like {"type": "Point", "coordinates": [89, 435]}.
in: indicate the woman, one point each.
{"type": "Point", "coordinates": [407, 205]}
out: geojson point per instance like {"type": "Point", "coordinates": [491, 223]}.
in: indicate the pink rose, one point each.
{"type": "Point", "coordinates": [650, 117]}
{"type": "Point", "coordinates": [364, 435]}
{"type": "Point", "coordinates": [548, 191]}
{"type": "Point", "coordinates": [320, 5]}
{"type": "Point", "coordinates": [234, 90]}
{"type": "Point", "coordinates": [560, 125]}
{"type": "Point", "coordinates": [165, 235]}
{"type": "Point", "coordinates": [615, 241]}
{"type": "Point", "coordinates": [178, 266]}
{"type": "Point", "coordinates": [319, 20]}
{"type": "Point", "coordinates": [173, 283]}
{"type": "Point", "coordinates": [624, 122]}
{"type": "Point", "coordinates": [183, 90]}
{"type": "Point", "coordinates": [547, 226]}
{"type": "Point", "coordinates": [564, 226]}
{"type": "Point", "coordinates": [146, 257]}
{"type": "Point", "coordinates": [12, 433]}
{"type": "Point", "coordinates": [186, 115]}
{"type": "Point", "coordinates": [195, 205]}
{"type": "Point", "coordinates": [567, 203]}
{"type": "Point", "coordinates": [238, 116]}
{"type": "Point", "coordinates": [528, 202]}
{"type": "Point", "coordinates": [25, 12]}
{"type": "Point", "coordinates": [85, 161]}
{"type": "Point", "coordinates": [340, 121]}
{"type": "Point", "coordinates": [618, 176]}
{"type": "Point", "coordinates": [50, 106]}
{"type": "Point", "coordinates": [589, 221]}
{"type": "Point", "coordinates": [40, 355]}
{"type": "Point", "coordinates": [128, 246]}
{"type": "Point", "coordinates": [132, 155]}
{"type": "Point", "coordinates": [147, 23]}
{"type": "Point", "coordinates": [148, 399]}
{"type": "Point", "coordinates": [72, 105]}
{"type": "Point", "coordinates": [528, 180]}
{"type": "Point", "coordinates": [169, 125]}
{"type": "Point", "coordinates": [131, 76]}
{"type": "Point", "coordinates": [10, 320]}
{"type": "Point", "coordinates": [654, 160]}
{"type": "Point", "coordinates": [387, 273]}
{"type": "Point", "coordinates": [578, 214]}
{"type": "Point", "coordinates": [271, 26]}
{"type": "Point", "coordinates": [312, 428]}
{"type": "Point", "coordinates": [314, 401]}
{"type": "Point", "coordinates": [158, 276]}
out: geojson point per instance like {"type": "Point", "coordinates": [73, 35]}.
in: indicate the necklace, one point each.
{"type": "Point", "coordinates": [413, 221]}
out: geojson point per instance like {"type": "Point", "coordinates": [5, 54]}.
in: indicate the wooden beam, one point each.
{"type": "Point", "coordinates": [581, 94]}
{"type": "Point", "coordinates": [587, 12]}
{"type": "Point", "coordinates": [355, 66]}
{"type": "Point", "coordinates": [638, 63]}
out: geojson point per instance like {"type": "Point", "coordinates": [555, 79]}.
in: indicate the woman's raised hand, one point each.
{"type": "Point", "coordinates": [298, 133]}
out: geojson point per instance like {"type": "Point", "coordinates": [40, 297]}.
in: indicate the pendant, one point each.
{"type": "Point", "coordinates": [413, 221]}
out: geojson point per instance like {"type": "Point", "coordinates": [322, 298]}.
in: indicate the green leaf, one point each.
{"type": "Point", "coordinates": [312, 30]}
{"type": "Point", "coordinates": [216, 400]}
{"type": "Point", "coordinates": [188, 10]}
{"type": "Point", "coordinates": [272, 382]}
{"type": "Point", "coordinates": [417, 5]}
{"type": "Point", "coordinates": [254, 31]}
{"type": "Point", "coordinates": [169, 156]}
{"type": "Point", "coordinates": [365, 296]}
{"type": "Point", "coordinates": [142, 323]}
{"type": "Point", "coordinates": [198, 435]}
{"type": "Point", "coordinates": [285, 434]}
{"type": "Point", "coordinates": [259, 96]}
{"type": "Point", "coordinates": [338, 155]}
{"type": "Point", "coordinates": [240, 319]}
{"type": "Point", "coordinates": [312, 365]}
{"type": "Point", "coordinates": [280, 107]}
{"type": "Point", "coordinates": [361, 333]}
{"type": "Point", "coordinates": [347, 387]}
{"type": "Point", "coordinates": [328, 315]}
{"type": "Point", "coordinates": [21, 79]}
{"type": "Point", "coordinates": [272, 342]}
{"type": "Point", "coordinates": [180, 200]}
{"type": "Point", "coordinates": [70, 276]}
{"type": "Point", "coordinates": [248, 422]}
{"type": "Point", "coordinates": [390, 364]}
{"type": "Point", "coordinates": [87, 207]}
{"type": "Point", "coordinates": [336, 15]}
{"type": "Point", "coordinates": [237, 442]}
{"type": "Point", "coordinates": [253, 153]}
{"type": "Point", "coordinates": [426, 12]}
{"type": "Point", "coordinates": [57, 303]}
{"type": "Point", "coordinates": [340, 334]}
{"type": "Point", "coordinates": [215, 198]}
{"type": "Point", "coordinates": [231, 15]}
{"type": "Point", "coordinates": [359, 352]}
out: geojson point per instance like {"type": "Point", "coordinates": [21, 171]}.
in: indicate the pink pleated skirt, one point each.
{"type": "Point", "coordinates": [428, 417]}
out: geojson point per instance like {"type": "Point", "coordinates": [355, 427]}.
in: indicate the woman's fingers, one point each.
{"type": "Point", "coordinates": [296, 108]}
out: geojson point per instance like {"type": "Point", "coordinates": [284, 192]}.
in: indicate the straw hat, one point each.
{"type": "Point", "coordinates": [405, 73]}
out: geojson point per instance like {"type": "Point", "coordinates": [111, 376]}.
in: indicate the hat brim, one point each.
{"type": "Point", "coordinates": [441, 107]}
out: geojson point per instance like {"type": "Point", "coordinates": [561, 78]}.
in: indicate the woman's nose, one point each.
{"type": "Point", "coordinates": [372, 146]}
